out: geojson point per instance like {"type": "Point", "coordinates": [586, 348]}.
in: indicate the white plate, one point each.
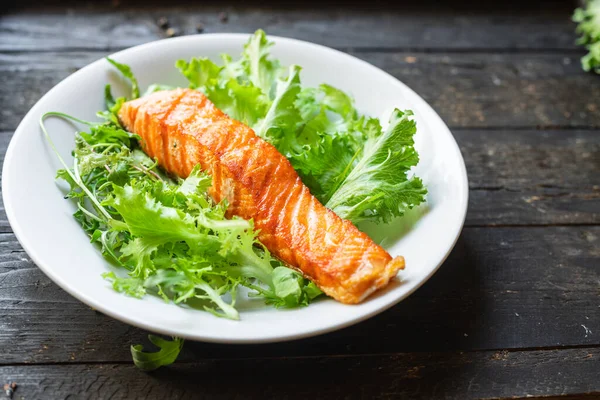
{"type": "Point", "coordinates": [41, 219]}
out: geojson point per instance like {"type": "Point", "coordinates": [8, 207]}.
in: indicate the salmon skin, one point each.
{"type": "Point", "coordinates": [182, 128]}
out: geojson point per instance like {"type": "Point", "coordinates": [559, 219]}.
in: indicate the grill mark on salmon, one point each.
{"type": "Point", "coordinates": [182, 128]}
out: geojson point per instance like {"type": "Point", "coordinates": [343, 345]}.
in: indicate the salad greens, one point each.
{"type": "Point", "coordinates": [347, 160]}
{"type": "Point", "coordinates": [588, 19]}
{"type": "Point", "coordinates": [167, 237]}
{"type": "Point", "coordinates": [168, 234]}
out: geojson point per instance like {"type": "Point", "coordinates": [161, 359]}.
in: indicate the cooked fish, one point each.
{"type": "Point", "coordinates": [182, 128]}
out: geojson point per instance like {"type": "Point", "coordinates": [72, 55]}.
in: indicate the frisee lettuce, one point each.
{"type": "Point", "coordinates": [127, 74]}
{"type": "Point", "coordinates": [346, 159]}
{"type": "Point", "coordinates": [371, 190]}
{"type": "Point", "coordinates": [169, 235]}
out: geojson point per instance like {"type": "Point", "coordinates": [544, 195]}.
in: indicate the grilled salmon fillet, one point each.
{"type": "Point", "coordinates": [182, 128]}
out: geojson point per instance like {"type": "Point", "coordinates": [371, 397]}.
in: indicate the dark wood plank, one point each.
{"type": "Point", "coordinates": [501, 288]}
{"type": "Point", "coordinates": [467, 90]}
{"type": "Point", "coordinates": [415, 376]}
{"type": "Point", "coordinates": [499, 90]}
{"type": "Point", "coordinates": [406, 26]}
{"type": "Point", "coordinates": [515, 159]}
{"type": "Point", "coordinates": [522, 177]}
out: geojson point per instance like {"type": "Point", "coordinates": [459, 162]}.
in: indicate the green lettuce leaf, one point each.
{"type": "Point", "coordinates": [282, 118]}
{"type": "Point", "coordinates": [128, 74]}
{"type": "Point", "coordinates": [155, 223]}
{"type": "Point", "coordinates": [245, 103]}
{"type": "Point", "coordinates": [157, 88]}
{"type": "Point", "coordinates": [108, 134]}
{"type": "Point", "coordinates": [166, 355]}
{"type": "Point", "coordinates": [322, 166]}
{"type": "Point", "coordinates": [200, 72]}
{"type": "Point", "coordinates": [378, 188]}
{"type": "Point", "coordinates": [291, 289]}
{"type": "Point", "coordinates": [261, 70]}
{"type": "Point", "coordinates": [134, 287]}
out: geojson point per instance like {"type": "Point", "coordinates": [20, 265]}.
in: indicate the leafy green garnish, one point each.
{"type": "Point", "coordinates": [169, 235]}
{"type": "Point", "coordinates": [200, 72]}
{"type": "Point", "coordinates": [377, 188]}
{"type": "Point", "coordinates": [166, 355]}
{"type": "Point", "coordinates": [262, 71]}
{"type": "Point", "coordinates": [291, 289]}
{"type": "Point", "coordinates": [243, 102]}
{"type": "Point", "coordinates": [128, 74]}
{"type": "Point", "coordinates": [346, 159]}
{"type": "Point", "coordinates": [282, 118]}
{"type": "Point", "coordinates": [588, 19]}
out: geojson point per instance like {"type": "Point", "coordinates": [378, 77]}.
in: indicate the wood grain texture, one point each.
{"type": "Point", "coordinates": [501, 288]}
{"type": "Point", "coordinates": [524, 177]}
{"type": "Point", "coordinates": [467, 90]}
{"type": "Point", "coordinates": [499, 90]}
{"type": "Point", "coordinates": [414, 375]}
{"type": "Point", "coordinates": [393, 26]}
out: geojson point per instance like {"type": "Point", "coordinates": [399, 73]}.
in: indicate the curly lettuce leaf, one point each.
{"type": "Point", "coordinates": [329, 110]}
{"type": "Point", "coordinates": [200, 72]}
{"type": "Point", "coordinates": [108, 134]}
{"type": "Point", "coordinates": [128, 74]}
{"type": "Point", "coordinates": [378, 187]}
{"type": "Point", "coordinates": [291, 289]}
{"type": "Point", "coordinates": [261, 70]}
{"type": "Point", "coordinates": [114, 105]}
{"type": "Point", "coordinates": [243, 102]}
{"type": "Point", "coordinates": [282, 118]}
{"type": "Point", "coordinates": [156, 223]}
{"type": "Point", "coordinates": [166, 355]}
{"type": "Point", "coordinates": [133, 287]}
{"type": "Point", "coordinates": [323, 165]}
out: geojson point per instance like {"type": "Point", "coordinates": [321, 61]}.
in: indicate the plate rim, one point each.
{"type": "Point", "coordinates": [98, 305]}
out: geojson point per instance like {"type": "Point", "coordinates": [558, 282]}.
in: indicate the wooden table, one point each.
{"type": "Point", "coordinates": [513, 312]}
